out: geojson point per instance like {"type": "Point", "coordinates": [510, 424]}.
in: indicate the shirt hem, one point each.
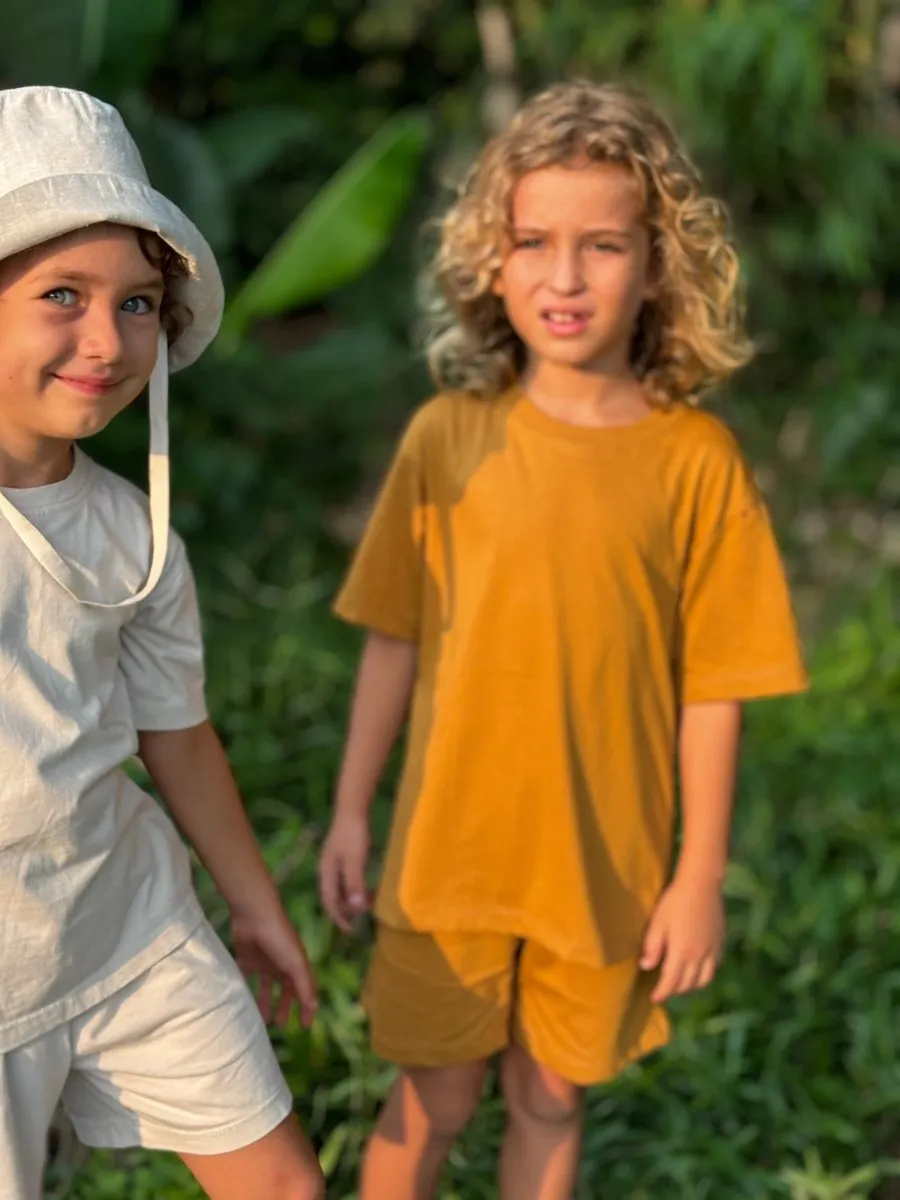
{"type": "Point", "coordinates": [605, 952]}
{"type": "Point", "coordinates": [364, 620]}
{"type": "Point", "coordinates": [150, 1135]}
{"type": "Point", "coordinates": [29, 1026]}
{"type": "Point", "coordinates": [747, 688]}
{"type": "Point", "coordinates": [165, 722]}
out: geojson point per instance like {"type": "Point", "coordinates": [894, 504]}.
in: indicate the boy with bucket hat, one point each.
{"type": "Point", "coordinates": [116, 997]}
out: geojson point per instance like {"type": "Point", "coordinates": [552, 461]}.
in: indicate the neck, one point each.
{"type": "Point", "coordinates": [30, 462]}
{"type": "Point", "coordinates": [584, 396]}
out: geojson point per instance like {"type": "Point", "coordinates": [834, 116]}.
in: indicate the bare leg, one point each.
{"type": "Point", "coordinates": [280, 1166]}
{"type": "Point", "coordinates": [426, 1112]}
{"type": "Point", "coordinates": [539, 1158]}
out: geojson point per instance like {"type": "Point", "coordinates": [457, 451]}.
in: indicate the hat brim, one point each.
{"type": "Point", "coordinates": [48, 208]}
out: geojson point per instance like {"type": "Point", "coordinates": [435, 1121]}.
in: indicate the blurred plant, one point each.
{"type": "Point", "coordinates": [783, 1080]}
{"type": "Point", "coordinates": [341, 233]}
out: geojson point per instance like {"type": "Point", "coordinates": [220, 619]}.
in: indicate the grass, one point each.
{"type": "Point", "coordinates": [783, 1080]}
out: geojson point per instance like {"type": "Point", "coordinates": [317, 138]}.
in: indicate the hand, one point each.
{"type": "Point", "coordinates": [271, 949]}
{"type": "Point", "coordinates": [686, 934]}
{"type": "Point", "coordinates": [342, 870]}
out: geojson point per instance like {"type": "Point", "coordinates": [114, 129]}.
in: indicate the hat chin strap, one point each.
{"type": "Point", "coordinates": [67, 576]}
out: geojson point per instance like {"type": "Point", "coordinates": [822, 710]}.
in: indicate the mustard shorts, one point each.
{"type": "Point", "coordinates": [436, 1000]}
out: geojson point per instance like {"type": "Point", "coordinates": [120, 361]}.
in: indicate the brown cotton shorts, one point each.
{"type": "Point", "coordinates": [442, 999]}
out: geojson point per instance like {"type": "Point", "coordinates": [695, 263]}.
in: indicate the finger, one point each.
{"type": "Point", "coordinates": [304, 986]}
{"type": "Point", "coordinates": [687, 980]}
{"type": "Point", "coordinates": [355, 885]}
{"type": "Point", "coordinates": [653, 948]}
{"type": "Point", "coordinates": [707, 971]}
{"type": "Point", "coordinates": [328, 885]}
{"type": "Point", "coordinates": [285, 1002]}
{"type": "Point", "coordinates": [264, 998]}
{"type": "Point", "coordinates": [668, 979]}
{"type": "Point", "coordinates": [331, 892]}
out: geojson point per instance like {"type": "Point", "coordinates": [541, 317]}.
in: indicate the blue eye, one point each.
{"type": "Point", "coordinates": [529, 243]}
{"type": "Point", "coordinates": [63, 296]}
{"type": "Point", "coordinates": [139, 305]}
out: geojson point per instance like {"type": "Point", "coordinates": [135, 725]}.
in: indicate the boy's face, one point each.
{"type": "Point", "coordinates": [79, 329]}
{"type": "Point", "coordinates": [576, 272]}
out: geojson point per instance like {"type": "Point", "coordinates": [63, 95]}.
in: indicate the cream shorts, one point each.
{"type": "Point", "coordinates": [178, 1060]}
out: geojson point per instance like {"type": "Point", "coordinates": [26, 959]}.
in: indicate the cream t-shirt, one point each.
{"type": "Point", "coordinates": [95, 883]}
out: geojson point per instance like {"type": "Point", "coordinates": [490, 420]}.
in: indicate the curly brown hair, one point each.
{"type": "Point", "coordinates": [688, 338]}
{"type": "Point", "coordinates": [175, 317]}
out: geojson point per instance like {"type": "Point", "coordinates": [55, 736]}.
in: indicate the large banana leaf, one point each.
{"type": "Point", "coordinates": [343, 230]}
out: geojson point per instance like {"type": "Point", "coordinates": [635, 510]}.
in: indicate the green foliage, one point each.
{"type": "Point", "coordinates": [784, 1079]}
{"type": "Point", "coordinates": [341, 233]}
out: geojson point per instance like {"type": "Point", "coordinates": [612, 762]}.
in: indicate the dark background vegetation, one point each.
{"type": "Point", "coordinates": [784, 1079]}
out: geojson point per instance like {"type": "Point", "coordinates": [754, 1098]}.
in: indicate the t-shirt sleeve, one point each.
{"type": "Point", "coordinates": [738, 634]}
{"type": "Point", "coordinates": [162, 651]}
{"type": "Point", "coordinates": [383, 587]}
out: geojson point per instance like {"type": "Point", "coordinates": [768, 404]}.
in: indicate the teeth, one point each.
{"type": "Point", "coordinates": [563, 318]}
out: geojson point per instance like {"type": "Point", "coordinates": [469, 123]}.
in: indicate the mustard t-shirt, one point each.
{"type": "Point", "coordinates": [569, 589]}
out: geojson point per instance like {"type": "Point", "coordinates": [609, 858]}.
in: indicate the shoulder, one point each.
{"type": "Point", "coordinates": [448, 423]}
{"type": "Point", "coordinates": [447, 412]}
{"type": "Point", "coordinates": [125, 511]}
{"type": "Point", "coordinates": [704, 435]}
{"type": "Point", "coordinates": [127, 500]}
{"type": "Point", "coordinates": [701, 440]}
{"type": "Point", "coordinates": [706, 462]}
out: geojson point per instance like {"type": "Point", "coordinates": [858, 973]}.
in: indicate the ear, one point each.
{"type": "Point", "coordinates": [497, 285]}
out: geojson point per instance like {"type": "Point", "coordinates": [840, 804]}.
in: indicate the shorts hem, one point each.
{"type": "Point", "coordinates": [122, 1135]}
{"type": "Point", "coordinates": [583, 1075]}
{"type": "Point", "coordinates": [415, 1058]}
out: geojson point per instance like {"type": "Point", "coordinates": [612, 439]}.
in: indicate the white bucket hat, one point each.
{"type": "Point", "coordinates": [67, 161]}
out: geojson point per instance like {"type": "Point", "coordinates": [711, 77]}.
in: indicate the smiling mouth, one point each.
{"type": "Point", "coordinates": [90, 386]}
{"type": "Point", "coordinates": [564, 321]}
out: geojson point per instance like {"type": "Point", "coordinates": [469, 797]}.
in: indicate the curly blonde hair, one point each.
{"type": "Point", "coordinates": [687, 339]}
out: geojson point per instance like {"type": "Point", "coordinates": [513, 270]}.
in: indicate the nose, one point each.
{"type": "Point", "coordinates": [101, 334]}
{"type": "Point", "coordinates": [565, 271]}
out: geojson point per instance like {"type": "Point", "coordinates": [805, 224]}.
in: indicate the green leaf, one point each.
{"type": "Point", "coordinates": [249, 140]}
{"type": "Point", "coordinates": [65, 42]}
{"type": "Point", "coordinates": [182, 166]}
{"type": "Point", "coordinates": [343, 231]}
{"type": "Point", "coordinates": [128, 50]}
{"type": "Point", "coordinates": [42, 42]}
{"type": "Point", "coordinates": [854, 423]}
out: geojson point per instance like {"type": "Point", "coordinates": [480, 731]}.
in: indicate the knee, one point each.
{"type": "Point", "coordinates": [310, 1187]}
{"type": "Point", "coordinates": [536, 1093]}
{"type": "Point", "coordinates": [447, 1097]}
{"type": "Point", "coordinates": [309, 1184]}
{"type": "Point", "coordinates": [313, 1189]}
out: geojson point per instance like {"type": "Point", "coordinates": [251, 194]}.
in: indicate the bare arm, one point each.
{"type": "Point", "coordinates": [709, 744]}
{"type": "Point", "coordinates": [190, 769]}
{"type": "Point", "coordinates": [687, 929]}
{"type": "Point", "coordinates": [384, 686]}
{"type": "Point", "coordinates": [192, 774]}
